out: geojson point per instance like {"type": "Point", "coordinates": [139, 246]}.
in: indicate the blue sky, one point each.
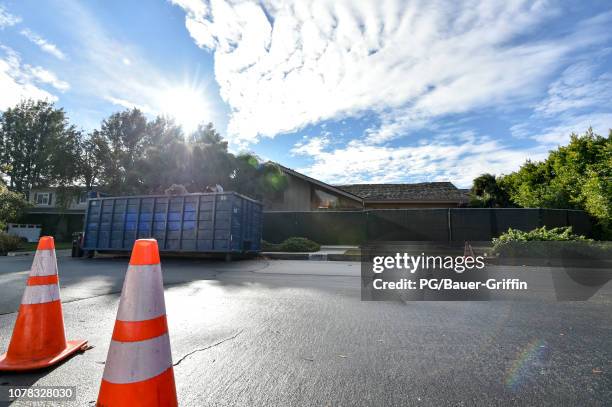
{"type": "Point", "coordinates": [344, 91]}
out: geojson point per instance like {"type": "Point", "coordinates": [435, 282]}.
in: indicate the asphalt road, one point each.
{"type": "Point", "coordinates": [296, 333]}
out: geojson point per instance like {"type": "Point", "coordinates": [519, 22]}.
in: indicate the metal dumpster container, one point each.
{"type": "Point", "coordinates": [224, 222]}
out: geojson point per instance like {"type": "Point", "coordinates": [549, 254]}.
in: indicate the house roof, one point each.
{"type": "Point", "coordinates": [321, 184]}
{"type": "Point", "coordinates": [421, 192]}
{"type": "Point", "coordinates": [466, 193]}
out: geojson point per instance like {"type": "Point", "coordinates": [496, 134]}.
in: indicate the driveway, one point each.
{"type": "Point", "coordinates": [261, 333]}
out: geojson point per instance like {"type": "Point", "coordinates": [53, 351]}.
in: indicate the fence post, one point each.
{"type": "Point", "coordinates": [450, 226]}
{"type": "Point", "coordinates": [366, 215]}
{"type": "Point", "coordinates": [494, 230]}
{"type": "Point", "coordinates": [540, 218]}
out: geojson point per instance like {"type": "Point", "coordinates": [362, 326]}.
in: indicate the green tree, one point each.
{"type": "Point", "coordinates": [94, 155]}
{"type": "Point", "coordinates": [487, 193]}
{"type": "Point", "coordinates": [39, 147]}
{"type": "Point", "coordinates": [596, 195]}
{"type": "Point", "coordinates": [129, 154]}
{"type": "Point", "coordinates": [575, 176]}
{"type": "Point", "coordinates": [63, 156]}
{"type": "Point", "coordinates": [12, 206]}
{"type": "Point", "coordinates": [125, 135]}
{"type": "Point", "coordinates": [165, 159]}
{"type": "Point", "coordinates": [211, 163]}
{"type": "Point", "coordinates": [255, 178]}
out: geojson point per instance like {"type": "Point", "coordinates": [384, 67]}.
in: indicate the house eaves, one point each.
{"type": "Point", "coordinates": [321, 184]}
{"type": "Point", "coordinates": [407, 201]}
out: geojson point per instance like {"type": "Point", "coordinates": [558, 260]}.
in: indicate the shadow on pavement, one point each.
{"type": "Point", "coordinates": [29, 378]}
{"type": "Point", "coordinates": [82, 278]}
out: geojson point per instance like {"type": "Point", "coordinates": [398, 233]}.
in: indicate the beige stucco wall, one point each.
{"type": "Point", "coordinates": [296, 197]}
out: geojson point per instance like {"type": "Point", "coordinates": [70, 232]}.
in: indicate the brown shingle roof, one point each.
{"type": "Point", "coordinates": [422, 192]}
{"type": "Point", "coordinates": [289, 171]}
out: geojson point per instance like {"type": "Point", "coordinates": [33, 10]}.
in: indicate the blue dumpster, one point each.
{"type": "Point", "coordinates": [224, 222]}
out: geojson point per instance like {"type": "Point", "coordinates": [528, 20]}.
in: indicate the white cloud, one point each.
{"type": "Point", "coordinates": [459, 158]}
{"type": "Point", "coordinates": [43, 44]}
{"type": "Point", "coordinates": [579, 86]}
{"type": "Point", "coordinates": [7, 19]}
{"type": "Point", "coordinates": [21, 81]}
{"type": "Point", "coordinates": [311, 146]}
{"type": "Point", "coordinates": [578, 99]}
{"type": "Point", "coordinates": [127, 104]}
{"type": "Point", "coordinates": [282, 65]}
{"type": "Point", "coordinates": [45, 76]}
{"type": "Point", "coordinates": [195, 8]}
{"type": "Point", "coordinates": [559, 133]}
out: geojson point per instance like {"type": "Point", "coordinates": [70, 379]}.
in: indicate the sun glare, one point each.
{"type": "Point", "coordinates": [186, 105]}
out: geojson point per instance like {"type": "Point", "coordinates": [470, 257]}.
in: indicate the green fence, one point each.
{"type": "Point", "coordinates": [356, 227]}
{"type": "Point", "coordinates": [332, 228]}
{"type": "Point", "coordinates": [440, 225]}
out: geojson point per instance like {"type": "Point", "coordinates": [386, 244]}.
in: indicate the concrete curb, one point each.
{"type": "Point", "coordinates": [285, 256]}
{"type": "Point", "coordinates": [549, 262]}
{"type": "Point", "coordinates": [32, 253]}
{"type": "Point", "coordinates": [311, 256]}
{"type": "Point", "coordinates": [17, 254]}
{"type": "Point", "coordinates": [343, 257]}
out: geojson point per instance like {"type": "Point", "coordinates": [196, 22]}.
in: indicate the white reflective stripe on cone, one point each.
{"type": "Point", "coordinates": [39, 294]}
{"type": "Point", "coordinates": [142, 296]}
{"type": "Point", "coordinates": [44, 263]}
{"type": "Point", "coordinates": [131, 362]}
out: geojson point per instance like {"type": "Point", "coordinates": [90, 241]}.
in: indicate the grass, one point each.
{"type": "Point", "coordinates": [30, 247]}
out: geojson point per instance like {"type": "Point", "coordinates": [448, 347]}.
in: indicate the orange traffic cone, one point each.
{"type": "Point", "coordinates": [138, 369]}
{"type": "Point", "coordinates": [38, 339]}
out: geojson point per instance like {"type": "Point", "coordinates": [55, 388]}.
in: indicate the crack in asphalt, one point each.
{"type": "Point", "coordinates": [207, 347]}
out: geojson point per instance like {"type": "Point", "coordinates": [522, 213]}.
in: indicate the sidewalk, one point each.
{"type": "Point", "coordinates": [329, 253]}
{"type": "Point", "coordinates": [58, 253]}
{"type": "Point", "coordinates": [326, 253]}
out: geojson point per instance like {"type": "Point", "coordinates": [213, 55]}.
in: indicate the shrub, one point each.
{"type": "Point", "coordinates": [8, 243]}
{"type": "Point", "coordinates": [548, 243]}
{"type": "Point", "coordinates": [299, 244]}
{"type": "Point", "coordinates": [560, 234]}
{"type": "Point", "coordinates": [269, 247]}
{"type": "Point", "coordinates": [293, 244]}
{"type": "Point", "coordinates": [12, 206]}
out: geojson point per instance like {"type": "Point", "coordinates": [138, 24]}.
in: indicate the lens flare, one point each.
{"type": "Point", "coordinates": [524, 363]}
{"type": "Point", "coordinates": [187, 105]}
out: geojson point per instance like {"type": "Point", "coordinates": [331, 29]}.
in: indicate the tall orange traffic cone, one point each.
{"type": "Point", "coordinates": [38, 339]}
{"type": "Point", "coordinates": [138, 369]}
